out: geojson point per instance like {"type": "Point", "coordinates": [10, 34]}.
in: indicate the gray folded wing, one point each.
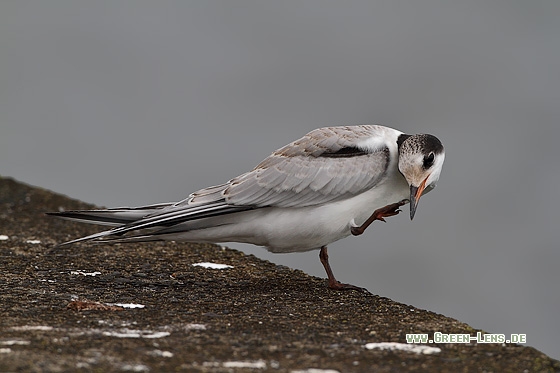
{"type": "Point", "coordinates": [325, 165]}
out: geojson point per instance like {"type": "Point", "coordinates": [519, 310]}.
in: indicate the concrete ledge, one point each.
{"type": "Point", "coordinates": [148, 307]}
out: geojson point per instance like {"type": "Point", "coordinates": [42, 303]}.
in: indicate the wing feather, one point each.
{"type": "Point", "coordinates": [326, 164]}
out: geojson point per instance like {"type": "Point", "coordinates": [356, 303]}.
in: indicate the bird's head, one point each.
{"type": "Point", "coordinates": [420, 161]}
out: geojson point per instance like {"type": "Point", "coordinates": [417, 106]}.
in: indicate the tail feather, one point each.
{"type": "Point", "coordinates": [86, 238]}
{"type": "Point", "coordinates": [116, 217]}
{"type": "Point", "coordinates": [146, 223]}
{"type": "Point", "coordinates": [113, 217]}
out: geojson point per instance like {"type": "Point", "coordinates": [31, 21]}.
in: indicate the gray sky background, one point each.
{"type": "Point", "coordinates": [134, 102]}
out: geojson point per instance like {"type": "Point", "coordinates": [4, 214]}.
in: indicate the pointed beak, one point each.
{"type": "Point", "coordinates": [415, 194]}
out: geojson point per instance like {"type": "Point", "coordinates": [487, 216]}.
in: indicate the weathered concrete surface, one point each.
{"type": "Point", "coordinates": [253, 317]}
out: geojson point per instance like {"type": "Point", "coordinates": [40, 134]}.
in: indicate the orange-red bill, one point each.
{"type": "Point", "coordinates": [415, 194]}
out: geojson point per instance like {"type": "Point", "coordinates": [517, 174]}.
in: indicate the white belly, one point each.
{"type": "Point", "coordinates": [298, 229]}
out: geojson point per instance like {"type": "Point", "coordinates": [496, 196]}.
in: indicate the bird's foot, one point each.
{"type": "Point", "coordinates": [379, 214]}
{"type": "Point", "coordinates": [335, 285]}
{"type": "Point", "coordinates": [389, 210]}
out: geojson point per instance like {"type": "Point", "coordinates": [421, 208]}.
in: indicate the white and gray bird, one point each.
{"type": "Point", "coordinates": [329, 184]}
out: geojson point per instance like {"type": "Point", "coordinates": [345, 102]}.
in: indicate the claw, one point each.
{"type": "Point", "coordinates": [379, 214]}
{"type": "Point", "coordinates": [333, 283]}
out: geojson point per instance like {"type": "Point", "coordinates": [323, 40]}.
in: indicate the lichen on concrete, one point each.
{"type": "Point", "coordinates": [59, 309]}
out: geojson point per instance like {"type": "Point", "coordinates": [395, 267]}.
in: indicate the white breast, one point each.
{"type": "Point", "coordinates": [306, 228]}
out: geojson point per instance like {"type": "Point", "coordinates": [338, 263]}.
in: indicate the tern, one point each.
{"type": "Point", "coordinates": [331, 183]}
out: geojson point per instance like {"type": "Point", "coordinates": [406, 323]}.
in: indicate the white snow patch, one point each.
{"type": "Point", "coordinates": [131, 333]}
{"type": "Point", "coordinates": [11, 342]}
{"type": "Point", "coordinates": [5, 350]}
{"type": "Point", "coordinates": [3, 237]}
{"type": "Point", "coordinates": [122, 324]}
{"type": "Point", "coordinates": [315, 370]}
{"type": "Point", "coordinates": [257, 364]}
{"type": "Point", "coordinates": [32, 327]}
{"type": "Point", "coordinates": [85, 273]}
{"type": "Point", "coordinates": [418, 349]}
{"type": "Point", "coordinates": [160, 353]}
{"type": "Point", "coordinates": [119, 333]}
{"type": "Point", "coordinates": [195, 327]}
{"type": "Point", "coordinates": [212, 265]}
{"type": "Point", "coordinates": [135, 368]}
{"type": "Point", "coordinates": [33, 241]}
{"type": "Point", "coordinates": [127, 305]}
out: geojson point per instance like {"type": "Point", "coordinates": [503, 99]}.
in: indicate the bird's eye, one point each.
{"type": "Point", "coordinates": [428, 161]}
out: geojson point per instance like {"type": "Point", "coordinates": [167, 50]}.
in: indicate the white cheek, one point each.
{"type": "Point", "coordinates": [409, 167]}
{"type": "Point", "coordinates": [434, 176]}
